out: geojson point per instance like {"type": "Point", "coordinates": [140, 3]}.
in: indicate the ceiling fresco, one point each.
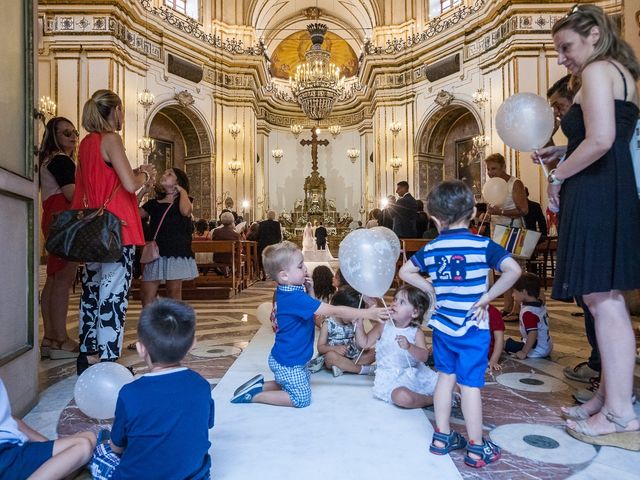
{"type": "Point", "coordinates": [290, 52]}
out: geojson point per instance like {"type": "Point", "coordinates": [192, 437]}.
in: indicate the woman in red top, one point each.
{"type": "Point", "coordinates": [104, 171]}
{"type": "Point", "coordinates": [57, 184]}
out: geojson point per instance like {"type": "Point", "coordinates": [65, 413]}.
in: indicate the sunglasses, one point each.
{"type": "Point", "coordinates": [70, 133]}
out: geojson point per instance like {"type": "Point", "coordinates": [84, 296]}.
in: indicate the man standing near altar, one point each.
{"type": "Point", "coordinates": [321, 237]}
{"type": "Point", "coordinates": [405, 214]}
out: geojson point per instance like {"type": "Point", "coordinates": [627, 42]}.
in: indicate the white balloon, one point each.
{"type": "Point", "coordinates": [368, 261]}
{"type": "Point", "coordinates": [495, 191]}
{"type": "Point", "coordinates": [263, 313]}
{"type": "Point", "coordinates": [97, 389]}
{"type": "Point", "coordinates": [525, 122]}
{"type": "Point", "coordinates": [391, 237]}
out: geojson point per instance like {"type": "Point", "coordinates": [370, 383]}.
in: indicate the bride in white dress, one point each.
{"type": "Point", "coordinates": [308, 240]}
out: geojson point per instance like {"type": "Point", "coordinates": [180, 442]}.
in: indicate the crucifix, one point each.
{"type": "Point", "coordinates": [314, 142]}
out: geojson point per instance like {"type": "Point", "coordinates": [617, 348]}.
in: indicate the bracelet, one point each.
{"type": "Point", "coordinates": [147, 177]}
{"type": "Point", "coordinates": [552, 179]}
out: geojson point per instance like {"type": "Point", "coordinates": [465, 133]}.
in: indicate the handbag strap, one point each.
{"type": "Point", "coordinates": [162, 220]}
{"type": "Point", "coordinates": [85, 202]}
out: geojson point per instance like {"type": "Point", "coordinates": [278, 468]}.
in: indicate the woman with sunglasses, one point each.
{"type": "Point", "coordinates": [599, 213]}
{"type": "Point", "coordinates": [57, 184]}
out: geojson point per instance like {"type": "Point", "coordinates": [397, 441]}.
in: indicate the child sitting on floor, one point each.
{"type": "Point", "coordinates": [294, 310]}
{"type": "Point", "coordinates": [402, 378]}
{"type": "Point", "coordinates": [337, 344]}
{"type": "Point", "coordinates": [162, 420]}
{"type": "Point", "coordinates": [534, 322]}
{"type": "Point", "coordinates": [24, 453]}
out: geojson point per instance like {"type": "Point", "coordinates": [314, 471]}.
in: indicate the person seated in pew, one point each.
{"type": "Point", "coordinates": [294, 309]}
{"type": "Point", "coordinates": [226, 231]}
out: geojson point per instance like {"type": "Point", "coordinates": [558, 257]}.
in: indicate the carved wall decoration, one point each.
{"type": "Point", "coordinates": [184, 98]}
{"type": "Point", "coordinates": [102, 25]}
{"type": "Point", "coordinates": [192, 27]}
{"type": "Point", "coordinates": [443, 98]}
{"type": "Point", "coordinates": [433, 28]}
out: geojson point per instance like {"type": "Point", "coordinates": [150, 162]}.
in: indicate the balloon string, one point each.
{"type": "Point", "coordinates": [406, 355]}
{"type": "Point", "coordinates": [361, 351]}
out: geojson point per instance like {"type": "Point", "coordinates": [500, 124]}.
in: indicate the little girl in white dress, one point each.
{"type": "Point", "coordinates": [402, 378]}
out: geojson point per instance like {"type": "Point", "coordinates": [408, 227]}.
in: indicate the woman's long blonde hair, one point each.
{"type": "Point", "coordinates": [582, 18]}
{"type": "Point", "coordinates": [97, 109]}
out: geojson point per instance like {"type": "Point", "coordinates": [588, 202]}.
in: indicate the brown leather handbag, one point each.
{"type": "Point", "coordinates": [86, 235]}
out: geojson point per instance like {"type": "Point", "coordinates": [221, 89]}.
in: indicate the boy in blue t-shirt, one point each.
{"type": "Point", "coordinates": [458, 263]}
{"type": "Point", "coordinates": [162, 420]}
{"type": "Point", "coordinates": [25, 453]}
{"type": "Point", "coordinates": [294, 326]}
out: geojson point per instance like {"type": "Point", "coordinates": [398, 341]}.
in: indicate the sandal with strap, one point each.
{"type": "Point", "coordinates": [574, 413]}
{"type": "Point", "coordinates": [621, 438]}
{"type": "Point", "coordinates": [64, 350]}
{"type": "Point", "coordinates": [487, 452]}
{"type": "Point", "coordinates": [451, 441]}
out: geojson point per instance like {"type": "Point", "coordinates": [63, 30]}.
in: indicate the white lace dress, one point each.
{"type": "Point", "coordinates": [393, 369]}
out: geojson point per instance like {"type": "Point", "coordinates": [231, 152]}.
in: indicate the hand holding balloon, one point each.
{"type": "Point", "coordinates": [546, 155]}
{"type": "Point", "coordinates": [403, 343]}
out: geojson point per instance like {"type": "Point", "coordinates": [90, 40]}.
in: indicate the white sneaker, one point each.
{"type": "Point", "coordinates": [337, 371]}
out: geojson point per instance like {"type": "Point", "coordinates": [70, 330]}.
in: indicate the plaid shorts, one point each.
{"type": "Point", "coordinates": [293, 380]}
{"type": "Point", "coordinates": [104, 462]}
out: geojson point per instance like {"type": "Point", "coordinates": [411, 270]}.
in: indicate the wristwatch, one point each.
{"type": "Point", "coordinates": [552, 179]}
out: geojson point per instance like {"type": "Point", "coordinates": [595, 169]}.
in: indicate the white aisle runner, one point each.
{"type": "Point", "coordinates": [344, 434]}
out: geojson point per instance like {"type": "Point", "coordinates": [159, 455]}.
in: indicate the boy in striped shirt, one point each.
{"type": "Point", "coordinates": [458, 264]}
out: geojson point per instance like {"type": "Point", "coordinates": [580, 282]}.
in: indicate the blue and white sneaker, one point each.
{"type": "Point", "coordinates": [258, 379]}
{"type": "Point", "coordinates": [246, 395]}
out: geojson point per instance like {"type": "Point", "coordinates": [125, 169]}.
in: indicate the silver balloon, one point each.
{"type": "Point", "coordinates": [368, 261]}
{"type": "Point", "coordinates": [97, 389]}
{"type": "Point", "coordinates": [391, 237]}
{"type": "Point", "coordinates": [525, 122]}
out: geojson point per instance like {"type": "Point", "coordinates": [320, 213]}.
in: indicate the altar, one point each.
{"type": "Point", "coordinates": [315, 207]}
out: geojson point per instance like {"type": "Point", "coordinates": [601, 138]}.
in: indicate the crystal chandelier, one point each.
{"type": "Point", "coordinates": [317, 83]}
{"type": "Point", "coordinates": [353, 154]}
{"type": "Point", "coordinates": [335, 130]}
{"type": "Point", "coordinates": [146, 99]}
{"type": "Point", "coordinates": [277, 154]}
{"type": "Point", "coordinates": [296, 129]}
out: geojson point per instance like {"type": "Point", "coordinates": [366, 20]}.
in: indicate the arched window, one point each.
{"type": "Point", "coordinates": [438, 7]}
{"type": "Point", "coordinates": [186, 7]}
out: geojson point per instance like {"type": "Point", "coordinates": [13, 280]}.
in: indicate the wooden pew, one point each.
{"type": "Point", "coordinates": [210, 284]}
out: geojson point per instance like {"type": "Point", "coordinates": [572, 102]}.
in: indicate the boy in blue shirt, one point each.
{"type": "Point", "coordinates": [458, 263]}
{"type": "Point", "coordinates": [25, 453]}
{"type": "Point", "coordinates": [162, 420]}
{"type": "Point", "coordinates": [294, 326]}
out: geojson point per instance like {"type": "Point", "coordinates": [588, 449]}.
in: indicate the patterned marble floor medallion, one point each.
{"type": "Point", "coordinates": [531, 382]}
{"type": "Point", "coordinates": [542, 443]}
{"type": "Point", "coordinates": [209, 349]}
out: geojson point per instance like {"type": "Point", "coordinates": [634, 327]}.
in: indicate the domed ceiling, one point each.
{"type": "Point", "coordinates": [290, 52]}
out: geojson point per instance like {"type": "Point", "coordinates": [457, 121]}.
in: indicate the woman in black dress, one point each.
{"type": "Point", "coordinates": [599, 211]}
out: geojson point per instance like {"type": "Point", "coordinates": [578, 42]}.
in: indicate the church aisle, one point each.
{"type": "Point", "coordinates": [521, 406]}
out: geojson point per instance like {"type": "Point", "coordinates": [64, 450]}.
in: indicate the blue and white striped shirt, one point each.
{"type": "Point", "coordinates": [458, 263]}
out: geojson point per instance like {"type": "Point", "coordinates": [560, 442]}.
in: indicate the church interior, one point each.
{"type": "Point", "coordinates": [314, 109]}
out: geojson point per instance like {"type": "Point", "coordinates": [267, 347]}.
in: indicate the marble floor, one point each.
{"type": "Point", "coordinates": [521, 405]}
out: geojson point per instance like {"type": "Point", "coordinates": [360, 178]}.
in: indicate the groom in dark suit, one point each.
{"type": "Point", "coordinates": [321, 237]}
{"type": "Point", "coordinates": [405, 213]}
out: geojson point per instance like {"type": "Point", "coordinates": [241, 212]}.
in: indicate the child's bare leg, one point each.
{"type": "Point", "coordinates": [406, 398]}
{"type": "Point", "coordinates": [343, 363]}
{"type": "Point", "coordinates": [442, 402]}
{"type": "Point", "coordinates": [472, 411]}
{"type": "Point", "coordinates": [69, 455]}
{"type": "Point", "coordinates": [272, 394]}
{"type": "Point", "coordinates": [367, 357]}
